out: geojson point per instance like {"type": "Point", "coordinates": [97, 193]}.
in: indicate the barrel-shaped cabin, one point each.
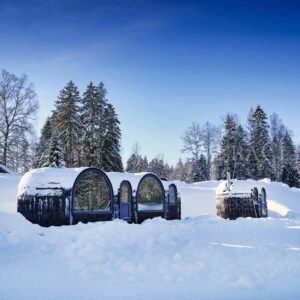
{"type": "Point", "coordinates": [141, 196]}
{"type": "Point", "coordinates": [241, 199]}
{"type": "Point", "coordinates": [61, 196]}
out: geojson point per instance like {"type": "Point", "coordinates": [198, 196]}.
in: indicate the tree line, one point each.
{"type": "Point", "coordinates": [264, 148]}
{"type": "Point", "coordinates": [84, 130]}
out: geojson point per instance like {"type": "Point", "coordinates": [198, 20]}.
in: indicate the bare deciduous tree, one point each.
{"type": "Point", "coordinates": [192, 140]}
{"type": "Point", "coordinates": [199, 139]}
{"type": "Point", "coordinates": [18, 105]}
{"type": "Point", "coordinates": [211, 137]}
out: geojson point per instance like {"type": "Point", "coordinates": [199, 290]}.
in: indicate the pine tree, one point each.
{"type": "Point", "coordinates": [55, 157]}
{"type": "Point", "coordinates": [241, 165]}
{"type": "Point", "coordinates": [135, 163]}
{"type": "Point", "coordinates": [145, 164]}
{"type": "Point", "coordinates": [298, 159]}
{"type": "Point", "coordinates": [111, 160]}
{"type": "Point", "coordinates": [219, 170]}
{"type": "Point", "coordinates": [200, 172]}
{"type": "Point", "coordinates": [90, 115]}
{"type": "Point", "coordinates": [260, 156]}
{"type": "Point", "coordinates": [228, 145]}
{"type": "Point", "coordinates": [43, 145]}
{"type": "Point", "coordinates": [277, 131]}
{"type": "Point", "coordinates": [157, 166]}
{"type": "Point", "coordinates": [102, 134]}
{"type": "Point", "coordinates": [67, 122]}
{"type": "Point", "coordinates": [131, 163]}
{"type": "Point", "coordinates": [289, 173]}
{"type": "Point", "coordinates": [101, 124]}
{"type": "Point", "coordinates": [180, 172]}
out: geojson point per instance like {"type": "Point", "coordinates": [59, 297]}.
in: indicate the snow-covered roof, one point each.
{"type": "Point", "coordinates": [134, 178]}
{"type": "Point", "coordinates": [238, 186]}
{"type": "Point", "coordinates": [48, 179]}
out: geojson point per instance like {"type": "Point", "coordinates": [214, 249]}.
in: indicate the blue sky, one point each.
{"type": "Point", "coordinates": [165, 63]}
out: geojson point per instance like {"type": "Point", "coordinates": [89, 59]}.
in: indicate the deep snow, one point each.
{"type": "Point", "coordinates": [202, 256]}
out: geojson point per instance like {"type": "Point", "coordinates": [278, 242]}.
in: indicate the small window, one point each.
{"type": "Point", "coordinates": [172, 195]}
{"type": "Point", "coordinates": [124, 193]}
{"type": "Point", "coordinates": [92, 193]}
{"type": "Point", "coordinates": [150, 194]}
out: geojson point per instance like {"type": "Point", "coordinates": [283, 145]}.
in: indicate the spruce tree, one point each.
{"type": "Point", "coordinates": [55, 157]}
{"type": "Point", "coordinates": [277, 131]}
{"type": "Point", "coordinates": [111, 160]}
{"type": "Point", "coordinates": [101, 130]}
{"type": "Point", "coordinates": [298, 159]}
{"type": "Point", "coordinates": [180, 172]}
{"type": "Point", "coordinates": [241, 165]}
{"type": "Point", "coordinates": [42, 149]}
{"type": "Point", "coordinates": [101, 124]}
{"type": "Point", "coordinates": [67, 122]}
{"type": "Point", "coordinates": [145, 164]}
{"type": "Point", "coordinates": [228, 145]}
{"type": "Point", "coordinates": [131, 164]}
{"type": "Point", "coordinates": [219, 170]}
{"type": "Point", "coordinates": [289, 172]}
{"type": "Point", "coordinates": [260, 147]}
{"type": "Point", "coordinates": [200, 172]}
{"type": "Point", "coordinates": [90, 115]}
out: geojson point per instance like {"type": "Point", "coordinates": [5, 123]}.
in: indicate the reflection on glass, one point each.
{"type": "Point", "coordinates": [124, 193]}
{"type": "Point", "coordinates": [172, 194]}
{"type": "Point", "coordinates": [150, 194]}
{"type": "Point", "coordinates": [92, 193]}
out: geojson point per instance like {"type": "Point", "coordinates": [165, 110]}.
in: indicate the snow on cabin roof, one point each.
{"type": "Point", "coordinates": [134, 178]}
{"type": "Point", "coordinates": [48, 180]}
{"type": "Point", "coordinates": [239, 186]}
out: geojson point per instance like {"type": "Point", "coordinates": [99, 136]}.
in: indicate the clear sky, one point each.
{"type": "Point", "coordinates": [165, 63]}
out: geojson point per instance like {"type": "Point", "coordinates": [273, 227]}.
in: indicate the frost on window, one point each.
{"type": "Point", "coordinates": [92, 193]}
{"type": "Point", "coordinates": [150, 194]}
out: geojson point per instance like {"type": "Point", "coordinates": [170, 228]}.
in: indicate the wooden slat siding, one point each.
{"type": "Point", "coordinates": [232, 207]}
{"type": "Point", "coordinates": [144, 215]}
{"type": "Point", "coordinates": [86, 218]}
{"type": "Point", "coordinates": [45, 210]}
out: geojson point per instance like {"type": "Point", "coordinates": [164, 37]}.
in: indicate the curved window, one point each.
{"type": "Point", "coordinates": [92, 193]}
{"type": "Point", "coordinates": [172, 194]}
{"type": "Point", "coordinates": [150, 194]}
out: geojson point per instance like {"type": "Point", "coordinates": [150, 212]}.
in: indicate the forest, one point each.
{"type": "Point", "coordinates": [84, 130]}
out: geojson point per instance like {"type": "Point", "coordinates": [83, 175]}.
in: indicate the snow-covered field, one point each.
{"type": "Point", "coordinates": [200, 257]}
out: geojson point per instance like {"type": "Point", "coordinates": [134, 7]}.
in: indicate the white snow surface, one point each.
{"type": "Point", "coordinates": [48, 177]}
{"type": "Point", "coordinates": [8, 192]}
{"type": "Point", "coordinates": [199, 257]}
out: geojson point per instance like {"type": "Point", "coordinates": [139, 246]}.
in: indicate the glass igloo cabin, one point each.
{"type": "Point", "coordinates": [52, 196]}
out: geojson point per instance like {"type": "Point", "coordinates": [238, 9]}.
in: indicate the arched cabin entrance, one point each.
{"type": "Point", "coordinates": [125, 201]}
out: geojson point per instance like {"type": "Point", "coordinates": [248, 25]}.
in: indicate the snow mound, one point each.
{"type": "Point", "coordinates": [158, 259]}
{"type": "Point", "coordinates": [8, 192]}
{"type": "Point", "coordinates": [239, 186]}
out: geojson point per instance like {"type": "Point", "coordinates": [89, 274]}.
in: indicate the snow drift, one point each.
{"type": "Point", "coordinates": [201, 257]}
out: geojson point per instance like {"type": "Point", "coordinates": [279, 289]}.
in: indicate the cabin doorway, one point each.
{"type": "Point", "coordinates": [125, 201]}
